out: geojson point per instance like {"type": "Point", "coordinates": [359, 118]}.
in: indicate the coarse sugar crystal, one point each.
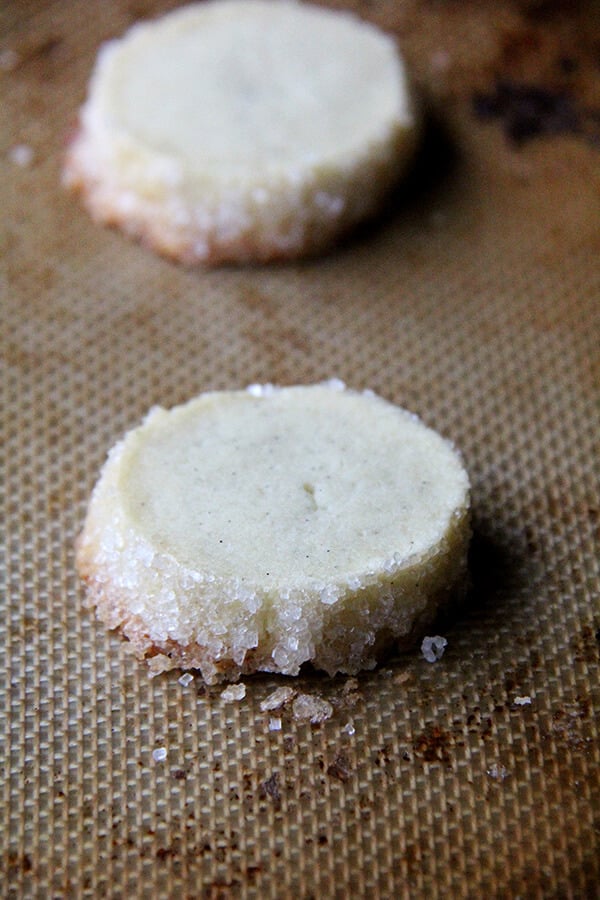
{"type": "Point", "coordinates": [234, 692]}
{"type": "Point", "coordinates": [278, 698]}
{"type": "Point", "coordinates": [315, 709]}
{"type": "Point", "coordinates": [433, 648]}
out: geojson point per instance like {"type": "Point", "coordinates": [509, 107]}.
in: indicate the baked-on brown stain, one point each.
{"type": "Point", "coordinates": [339, 768]}
{"type": "Point", "coordinates": [433, 744]}
{"type": "Point", "coordinates": [270, 787]}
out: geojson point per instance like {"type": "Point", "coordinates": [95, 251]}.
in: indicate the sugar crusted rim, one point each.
{"type": "Point", "coordinates": [282, 215]}
{"type": "Point", "coordinates": [238, 632]}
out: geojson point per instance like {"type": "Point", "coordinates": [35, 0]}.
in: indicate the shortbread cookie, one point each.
{"type": "Point", "coordinates": [261, 529]}
{"type": "Point", "coordinates": [237, 130]}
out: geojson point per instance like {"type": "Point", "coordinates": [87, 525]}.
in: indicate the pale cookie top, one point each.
{"type": "Point", "coordinates": [233, 88]}
{"type": "Point", "coordinates": [290, 486]}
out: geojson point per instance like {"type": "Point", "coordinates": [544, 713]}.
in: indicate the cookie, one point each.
{"type": "Point", "coordinates": [258, 530]}
{"type": "Point", "coordinates": [243, 130]}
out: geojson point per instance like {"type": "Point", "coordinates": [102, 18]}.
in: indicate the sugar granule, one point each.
{"type": "Point", "coordinates": [261, 390]}
{"type": "Point", "coordinates": [278, 698]}
{"type": "Point", "coordinates": [185, 679]}
{"type": "Point", "coordinates": [274, 724]}
{"type": "Point", "coordinates": [497, 772]}
{"type": "Point", "coordinates": [433, 648]}
{"type": "Point", "coordinates": [522, 701]}
{"type": "Point", "coordinates": [234, 692]}
{"type": "Point", "coordinates": [159, 754]}
{"type": "Point", "coordinates": [315, 709]}
{"type": "Point", "coordinates": [349, 728]}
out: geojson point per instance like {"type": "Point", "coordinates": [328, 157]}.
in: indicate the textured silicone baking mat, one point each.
{"type": "Point", "coordinates": [474, 301]}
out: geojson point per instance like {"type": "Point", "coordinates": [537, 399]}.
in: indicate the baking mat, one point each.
{"type": "Point", "coordinates": [473, 301]}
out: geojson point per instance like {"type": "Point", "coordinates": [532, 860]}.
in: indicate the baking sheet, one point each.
{"type": "Point", "coordinates": [472, 301]}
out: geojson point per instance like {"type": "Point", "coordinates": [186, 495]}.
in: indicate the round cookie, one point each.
{"type": "Point", "coordinates": [261, 529]}
{"type": "Point", "coordinates": [243, 130]}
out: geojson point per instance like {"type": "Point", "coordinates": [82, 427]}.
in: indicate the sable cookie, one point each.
{"type": "Point", "coordinates": [258, 530]}
{"type": "Point", "coordinates": [236, 130]}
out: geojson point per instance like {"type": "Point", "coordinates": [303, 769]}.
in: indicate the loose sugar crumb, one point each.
{"type": "Point", "coordinates": [349, 728]}
{"type": "Point", "coordinates": [274, 724]}
{"type": "Point", "coordinates": [185, 679]}
{"type": "Point", "coordinates": [234, 692]}
{"type": "Point", "coordinates": [160, 754]}
{"type": "Point", "coordinates": [21, 155]}
{"type": "Point", "coordinates": [522, 701]}
{"type": "Point", "coordinates": [350, 685]}
{"type": "Point", "coordinates": [315, 709]}
{"type": "Point", "coordinates": [433, 648]}
{"type": "Point", "coordinates": [277, 699]}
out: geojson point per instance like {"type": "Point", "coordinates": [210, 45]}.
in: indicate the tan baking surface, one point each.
{"type": "Point", "coordinates": [475, 303]}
